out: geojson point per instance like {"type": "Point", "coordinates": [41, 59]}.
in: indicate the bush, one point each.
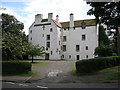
{"type": "Point", "coordinates": [15, 67]}
{"type": "Point", "coordinates": [92, 65]}
{"type": "Point", "coordinates": [104, 50]}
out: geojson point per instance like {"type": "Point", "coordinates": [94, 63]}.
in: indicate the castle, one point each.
{"type": "Point", "coordinates": [72, 40]}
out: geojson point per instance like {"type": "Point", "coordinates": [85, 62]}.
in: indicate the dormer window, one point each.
{"type": "Point", "coordinates": [83, 25]}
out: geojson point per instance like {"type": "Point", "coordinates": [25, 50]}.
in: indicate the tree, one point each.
{"type": "Point", "coordinates": [104, 50]}
{"type": "Point", "coordinates": [33, 51]}
{"type": "Point", "coordinates": [15, 43]}
{"type": "Point", "coordinates": [103, 38]}
{"type": "Point", "coordinates": [107, 13]}
{"type": "Point", "coordinates": [13, 38]}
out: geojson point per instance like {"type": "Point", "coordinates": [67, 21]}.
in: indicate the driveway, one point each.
{"type": "Point", "coordinates": [52, 71]}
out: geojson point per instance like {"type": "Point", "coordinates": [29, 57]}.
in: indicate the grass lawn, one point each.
{"type": "Point", "coordinates": [114, 76]}
{"type": "Point", "coordinates": [33, 73]}
{"type": "Point", "coordinates": [41, 63]}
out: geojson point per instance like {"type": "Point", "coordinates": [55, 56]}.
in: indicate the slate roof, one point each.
{"type": "Point", "coordinates": [77, 23]}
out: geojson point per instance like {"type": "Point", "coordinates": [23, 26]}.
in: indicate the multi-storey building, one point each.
{"type": "Point", "coordinates": [73, 40]}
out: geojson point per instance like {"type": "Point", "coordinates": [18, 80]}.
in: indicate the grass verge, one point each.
{"type": "Point", "coordinates": [40, 63]}
{"type": "Point", "coordinates": [107, 78]}
{"type": "Point", "coordinates": [33, 73]}
{"type": "Point", "coordinates": [111, 69]}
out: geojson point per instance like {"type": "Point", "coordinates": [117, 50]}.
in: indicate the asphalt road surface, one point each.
{"type": "Point", "coordinates": [63, 85]}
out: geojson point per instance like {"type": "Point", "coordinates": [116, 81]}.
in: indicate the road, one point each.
{"type": "Point", "coordinates": [63, 85]}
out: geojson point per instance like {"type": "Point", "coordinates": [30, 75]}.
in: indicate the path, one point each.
{"type": "Point", "coordinates": [54, 72]}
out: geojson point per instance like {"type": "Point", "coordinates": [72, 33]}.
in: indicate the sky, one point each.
{"type": "Point", "coordinates": [25, 11]}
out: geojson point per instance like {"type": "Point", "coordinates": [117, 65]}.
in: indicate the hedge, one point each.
{"type": "Point", "coordinates": [93, 65]}
{"type": "Point", "coordinates": [15, 67]}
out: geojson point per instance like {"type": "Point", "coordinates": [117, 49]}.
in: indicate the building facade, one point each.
{"type": "Point", "coordinates": [73, 40]}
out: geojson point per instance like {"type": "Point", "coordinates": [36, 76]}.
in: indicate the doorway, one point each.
{"type": "Point", "coordinates": [47, 56]}
{"type": "Point", "coordinates": [77, 57]}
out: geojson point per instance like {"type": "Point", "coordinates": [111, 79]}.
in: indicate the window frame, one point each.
{"type": "Point", "coordinates": [83, 37]}
{"type": "Point", "coordinates": [48, 37]}
{"type": "Point", "coordinates": [64, 48]}
{"type": "Point", "coordinates": [77, 47]}
{"type": "Point", "coordinates": [64, 38]}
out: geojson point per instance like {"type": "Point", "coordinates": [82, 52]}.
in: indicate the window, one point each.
{"type": "Point", "coordinates": [77, 48]}
{"type": "Point", "coordinates": [86, 56]}
{"type": "Point", "coordinates": [86, 47]}
{"type": "Point", "coordinates": [31, 31]}
{"type": "Point", "coordinates": [43, 27]}
{"type": "Point", "coordinates": [77, 57]}
{"type": "Point", "coordinates": [48, 44]}
{"type": "Point", "coordinates": [64, 47]}
{"type": "Point", "coordinates": [43, 35]}
{"type": "Point", "coordinates": [59, 42]}
{"type": "Point", "coordinates": [64, 38]}
{"type": "Point", "coordinates": [62, 56]}
{"type": "Point", "coordinates": [59, 52]}
{"type": "Point", "coordinates": [51, 29]}
{"type": "Point", "coordinates": [83, 37]}
{"type": "Point", "coordinates": [31, 38]}
{"type": "Point", "coordinates": [48, 37]}
{"type": "Point", "coordinates": [74, 28]}
{"type": "Point", "coordinates": [69, 56]}
{"type": "Point", "coordinates": [64, 28]}
{"type": "Point", "coordinates": [51, 52]}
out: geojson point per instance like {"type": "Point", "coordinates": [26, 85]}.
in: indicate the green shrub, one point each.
{"type": "Point", "coordinates": [92, 65]}
{"type": "Point", "coordinates": [15, 67]}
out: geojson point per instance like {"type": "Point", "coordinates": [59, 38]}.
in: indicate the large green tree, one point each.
{"type": "Point", "coordinates": [15, 43]}
{"type": "Point", "coordinates": [13, 37]}
{"type": "Point", "coordinates": [107, 13]}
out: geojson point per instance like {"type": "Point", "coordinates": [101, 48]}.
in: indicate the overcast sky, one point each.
{"type": "Point", "coordinates": [25, 11]}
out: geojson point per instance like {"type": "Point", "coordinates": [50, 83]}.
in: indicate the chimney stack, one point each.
{"type": "Point", "coordinates": [57, 18]}
{"type": "Point", "coordinates": [38, 18]}
{"type": "Point", "coordinates": [50, 16]}
{"type": "Point", "coordinates": [71, 20]}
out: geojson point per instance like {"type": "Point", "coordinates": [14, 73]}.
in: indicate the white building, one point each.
{"type": "Point", "coordinates": [74, 40]}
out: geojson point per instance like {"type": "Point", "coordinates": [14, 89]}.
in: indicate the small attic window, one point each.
{"type": "Point", "coordinates": [83, 25]}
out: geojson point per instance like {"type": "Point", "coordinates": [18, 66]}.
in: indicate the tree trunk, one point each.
{"type": "Point", "coordinates": [32, 58]}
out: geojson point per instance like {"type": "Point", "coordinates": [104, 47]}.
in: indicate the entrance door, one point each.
{"type": "Point", "coordinates": [47, 56]}
{"type": "Point", "coordinates": [77, 57]}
